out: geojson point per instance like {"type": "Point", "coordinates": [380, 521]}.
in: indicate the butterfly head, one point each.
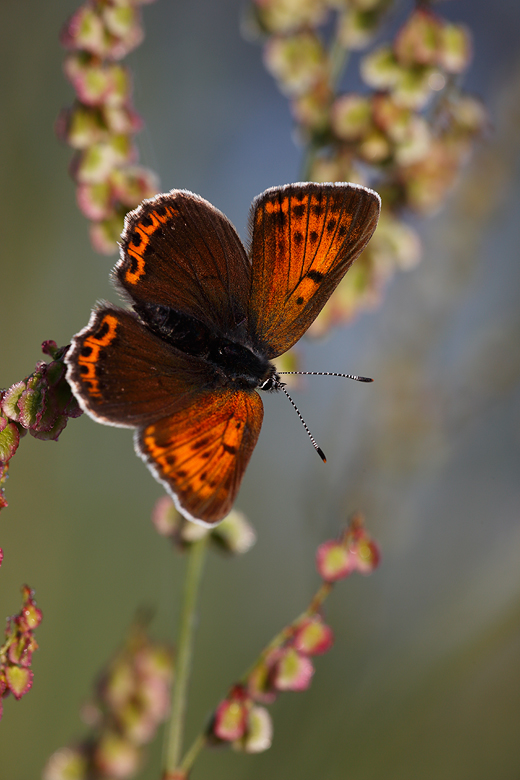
{"type": "Point", "coordinates": [272, 383]}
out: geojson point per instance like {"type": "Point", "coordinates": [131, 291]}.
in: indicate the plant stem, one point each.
{"type": "Point", "coordinates": [338, 59]}
{"type": "Point", "coordinates": [196, 557]}
{"type": "Point", "coordinates": [315, 604]}
{"type": "Point", "coordinates": [308, 161]}
{"type": "Point", "coordinates": [192, 753]}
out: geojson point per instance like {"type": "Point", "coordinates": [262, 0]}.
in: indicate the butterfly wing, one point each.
{"type": "Point", "coordinates": [304, 239]}
{"type": "Point", "coordinates": [179, 251]}
{"type": "Point", "coordinates": [200, 454]}
{"type": "Point", "coordinates": [122, 374]}
{"type": "Point", "coordinates": [195, 435]}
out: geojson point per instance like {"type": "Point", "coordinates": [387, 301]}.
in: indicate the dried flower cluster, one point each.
{"type": "Point", "coordinates": [234, 534]}
{"type": "Point", "coordinates": [286, 665]}
{"type": "Point", "coordinates": [132, 701]}
{"type": "Point", "coordinates": [407, 134]}
{"type": "Point", "coordinates": [101, 123]}
{"type": "Point", "coordinates": [16, 675]}
{"type": "Point", "coordinates": [41, 404]}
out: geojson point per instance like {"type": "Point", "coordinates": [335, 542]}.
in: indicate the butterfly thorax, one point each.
{"type": "Point", "coordinates": [234, 362]}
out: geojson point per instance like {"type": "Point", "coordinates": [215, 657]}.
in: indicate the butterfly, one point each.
{"type": "Point", "coordinates": [183, 367]}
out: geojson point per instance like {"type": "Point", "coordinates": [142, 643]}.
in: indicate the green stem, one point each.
{"type": "Point", "coordinates": [338, 59]}
{"type": "Point", "coordinates": [192, 753]}
{"type": "Point", "coordinates": [315, 604]}
{"type": "Point", "coordinates": [308, 160]}
{"type": "Point", "coordinates": [184, 655]}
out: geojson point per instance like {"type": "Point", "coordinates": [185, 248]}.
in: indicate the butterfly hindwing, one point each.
{"type": "Point", "coordinates": [122, 374]}
{"type": "Point", "coordinates": [304, 239]}
{"type": "Point", "coordinates": [179, 251]}
{"type": "Point", "coordinates": [200, 454]}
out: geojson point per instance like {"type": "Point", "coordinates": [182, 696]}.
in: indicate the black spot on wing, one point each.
{"type": "Point", "coordinates": [197, 445]}
{"type": "Point", "coordinates": [102, 331]}
{"type": "Point", "coordinates": [331, 224]}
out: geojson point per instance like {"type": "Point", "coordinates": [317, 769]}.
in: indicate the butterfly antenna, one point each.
{"type": "Point", "coordinates": [311, 437]}
{"type": "Point", "coordinates": [329, 373]}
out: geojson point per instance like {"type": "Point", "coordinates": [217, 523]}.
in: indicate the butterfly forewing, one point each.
{"type": "Point", "coordinates": [200, 454]}
{"type": "Point", "coordinates": [179, 251]}
{"type": "Point", "coordinates": [304, 239]}
{"type": "Point", "coordinates": [122, 374]}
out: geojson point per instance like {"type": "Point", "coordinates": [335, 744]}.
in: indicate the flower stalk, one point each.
{"type": "Point", "coordinates": [196, 557]}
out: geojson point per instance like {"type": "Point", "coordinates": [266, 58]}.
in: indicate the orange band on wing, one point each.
{"type": "Point", "coordinates": [140, 239]}
{"type": "Point", "coordinates": [89, 354]}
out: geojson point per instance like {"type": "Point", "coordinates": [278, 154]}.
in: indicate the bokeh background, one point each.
{"type": "Point", "coordinates": [424, 679]}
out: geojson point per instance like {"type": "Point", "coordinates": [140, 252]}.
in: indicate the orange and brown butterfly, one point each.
{"type": "Point", "coordinates": [184, 366]}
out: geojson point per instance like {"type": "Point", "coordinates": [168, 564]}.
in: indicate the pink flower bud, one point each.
{"type": "Point", "coordinates": [365, 555]}
{"type": "Point", "coordinates": [333, 561]}
{"type": "Point", "coordinates": [418, 41]}
{"type": "Point", "coordinates": [351, 116]}
{"type": "Point", "coordinates": [259, 732]}
{"type": "Point", "coordinates": [31, 615]}
{"type": "Point", "coordinates": [19, 680]}
{"type": "Point", "coordinates": [81, 126]}
{"type": "Point", "coordinates": [358, 26]}
{"type": "Point", "coordinates": [380, 69]}
{"type": "Point", "coordinates": [230, 720]}
{"type": "Point", "coordinates": [259, 684]}
{"type": "Point", "coordinates": [165, 516]}
{"type": "Point", "coordinates": [234, 534]}
{"type": "Point", "coordinates": [92, 82]}
{"type": "Point", "coordinates": [105, 234]}
{"type": "Point", "coordinates": [116, 756]}
{"type": "Point", "coordinates": [66, 764]}
{"type": "Point", "coordinates": [313, 637]}
{"type": "Point", "coordinates": [280, 16]}
{"type": "Point", "coordinates": [133, 183]}
{"type": "Point", "coordinates": [95, 200]}
{"type": "Point", "coordinates": [292, 671]}
{"type": "Point", "coordinates": [85, 31]}
{"type": "Point", "coordinates": [297, 61]}
{"type": "Point", "coordinates": [455, 48]}
{"type": "Point", "coordinates": [9, 439]}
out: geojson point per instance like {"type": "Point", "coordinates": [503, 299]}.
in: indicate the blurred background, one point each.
{"type": "Point", "coordinates": [424, 678]}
